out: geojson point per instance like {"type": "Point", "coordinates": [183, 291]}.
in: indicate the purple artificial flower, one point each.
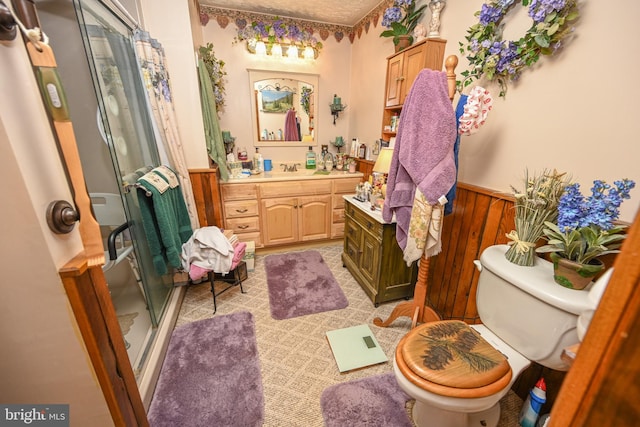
{"type": "Point", "coordinates": [294, 33]}
{"type": "Point", "coordinates": [489, 14]}
{"type": "Point", "coordinates": [401, 3]}
{"type": "Point", "coordinates": [391, 15]}
{"type": "Point", "coordinates": [539, 9]}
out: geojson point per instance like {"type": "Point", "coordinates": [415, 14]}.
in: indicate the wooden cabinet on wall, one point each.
{"type": "Point", "coordinates": [286, 212]}
{"type": "Point", "coordinates": [372, 255]}
{"type": "Point", "coordinates": [402, 70]}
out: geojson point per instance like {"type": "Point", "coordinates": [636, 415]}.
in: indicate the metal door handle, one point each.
{"type": "Point", "coordinates": [61, 216]}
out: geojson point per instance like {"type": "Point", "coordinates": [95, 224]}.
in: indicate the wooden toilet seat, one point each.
{"type": "Point", "coordinates": [450, 358]}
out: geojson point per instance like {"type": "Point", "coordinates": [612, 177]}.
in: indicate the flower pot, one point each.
{"type": "Point", "coordinates": [574, 275]}
{"type": "Point", "coordinates": [403, 42]}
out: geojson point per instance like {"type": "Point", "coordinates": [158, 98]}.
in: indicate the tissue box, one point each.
{"type": "Point", "coordinates": [249, 255]}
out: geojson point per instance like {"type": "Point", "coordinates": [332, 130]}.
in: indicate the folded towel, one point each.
{"type": "Point", "coordinates": [168, 174]}
{"type": "Point", "coordinates": [156, 181]}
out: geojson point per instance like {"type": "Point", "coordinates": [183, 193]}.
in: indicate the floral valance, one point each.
{"type": "Point", "coordinates": [241, 19]}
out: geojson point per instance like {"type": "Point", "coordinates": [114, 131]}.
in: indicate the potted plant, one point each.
{"type": "Point", "coordinates": [535, 204]}
{"type": "Point", "coordinates": [585, 231]}
{"type": "Point", "coordinates": [401, 19]}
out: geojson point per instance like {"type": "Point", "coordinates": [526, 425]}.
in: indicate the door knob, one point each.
{"type": "Point", "coordinates": [61, 216]}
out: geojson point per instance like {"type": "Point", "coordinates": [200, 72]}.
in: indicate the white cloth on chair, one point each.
{"type": "Point", "coordinates": [208, 248]}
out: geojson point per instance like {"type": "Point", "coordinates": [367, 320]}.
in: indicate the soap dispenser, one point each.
{"type": "Point", "coordinates": [311, 159]}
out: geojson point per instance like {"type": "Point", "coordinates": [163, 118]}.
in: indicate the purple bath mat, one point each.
{"type": "Point", "coordinates": [301, 283]}
{"type": "Point", "coordinates": [210, 375]}
{"type": "Point", "coordinates": [374, 401]}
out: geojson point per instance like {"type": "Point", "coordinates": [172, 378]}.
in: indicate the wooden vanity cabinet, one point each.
{"type": "Point", "coordinates": [372, 255]}
{"type": "Point", "coordinates": [288, 211]}
{"type": "Point", "coordinates": [296, 219]}
{"type": "Point", "coordinates": [402, 70]}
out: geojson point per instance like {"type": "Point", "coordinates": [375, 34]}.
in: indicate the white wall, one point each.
{"type": "Point", "coordinates": [573, 112]}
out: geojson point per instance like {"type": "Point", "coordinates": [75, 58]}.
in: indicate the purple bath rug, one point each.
{"type": "Point", "coordinates": [375, 401]}
{"type": "Point", "coordinates": [210, 375]}
{"type": "Point", "coordinates": [301, 283]}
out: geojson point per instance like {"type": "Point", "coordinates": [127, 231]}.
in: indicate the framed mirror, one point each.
{"type": "Point", "coordinates": [284, 108]}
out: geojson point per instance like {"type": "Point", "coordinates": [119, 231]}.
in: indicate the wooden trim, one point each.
{"type": "Point", "coordinates": [206, 192]}
{"type": "Point", "coordinates": [602, 386]}
{"type": "Point", "coordinates": [90, 301]}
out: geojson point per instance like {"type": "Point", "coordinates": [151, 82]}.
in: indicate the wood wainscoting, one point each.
{"type": "Point", "coordinates": [480, 218]}
{"type": "Point", "coordinates": [206, 192]}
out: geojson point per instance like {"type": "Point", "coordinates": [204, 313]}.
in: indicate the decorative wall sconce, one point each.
{"type": "Point", "coordinates": [336, 107]}
{"type": "Point", "coordinates": [293, 51]}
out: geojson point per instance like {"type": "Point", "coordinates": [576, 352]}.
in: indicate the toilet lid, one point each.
{"type": "Point", "coordinates": [453, 354]}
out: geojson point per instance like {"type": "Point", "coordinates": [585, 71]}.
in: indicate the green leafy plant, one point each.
{"type": "Point", "coordinates": [215, 69]}
{"type": "Point", "coordinates": [401, 19]}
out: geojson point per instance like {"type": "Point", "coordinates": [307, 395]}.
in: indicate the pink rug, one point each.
{"type": "Point", "coordinates": [301, 283]}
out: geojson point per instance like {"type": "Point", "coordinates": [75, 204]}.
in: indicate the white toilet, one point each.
{"type": "Point", "coordinates": [525, 315]}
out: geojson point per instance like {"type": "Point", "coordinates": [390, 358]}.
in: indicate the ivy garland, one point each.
{"type": "Point", "coordinates": [215, 69]}
{"type": "Point", "coordinates": [503, 60]}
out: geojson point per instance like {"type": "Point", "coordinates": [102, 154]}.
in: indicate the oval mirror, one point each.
{"type": "Point", "coordinates": [284, 108]}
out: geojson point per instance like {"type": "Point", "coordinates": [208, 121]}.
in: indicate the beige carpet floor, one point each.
{"type": "Point", "coordinates": [296, 361]}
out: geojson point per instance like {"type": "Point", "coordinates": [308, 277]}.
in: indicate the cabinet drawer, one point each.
{"type": "Point", "coordinates": [239, 192]}
{"type": "Point", "coordinates": [243, 225]}
{"type": "Point", "coordinates": [366, 222]}
{"type": "Point", "coordinates": [295, 188]}
{"type": "Point", "coordinates": [345, 185]}
{"type": "Point", "coordinates": [241, 209]}
{"type": "Point", "coordinates": [352, 231]}
{"type": "Point", "coordinates": [338, 215]}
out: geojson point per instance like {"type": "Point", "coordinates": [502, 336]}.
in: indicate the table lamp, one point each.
{"type": "Point", "coordinates": [382, 166]}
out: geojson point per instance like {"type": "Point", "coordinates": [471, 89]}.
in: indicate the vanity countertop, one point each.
{"type": "Point", "coordinates": [300, 175]}
{"type": "Point", "coordinates": [366, 208]}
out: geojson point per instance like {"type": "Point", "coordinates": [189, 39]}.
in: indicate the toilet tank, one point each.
{"type": "Point", "coordinates": [527, 309]}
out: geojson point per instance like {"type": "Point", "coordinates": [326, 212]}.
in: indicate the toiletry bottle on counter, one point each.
{"type": "Point", "coordinates": [257, 161]}
{"type": "Point", "coordinates": [532, 406]}
{"type": "Point", "coordinates": [311, 159]}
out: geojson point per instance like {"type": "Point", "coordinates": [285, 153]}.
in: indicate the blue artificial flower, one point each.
{"type": "Point", "coordinates": [539, 9]}
{"type": "Point", "coordinates": [401, 3]}
{"type": "Point", "coordinates": [600, 209]}
{"type": "Point", "coordinates": [391, 15]}
{"type": "Point", "coordinates": [489, 14]}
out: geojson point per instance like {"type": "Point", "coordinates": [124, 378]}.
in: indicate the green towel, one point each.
{"type": "Point", "coordinates": [212, 131]}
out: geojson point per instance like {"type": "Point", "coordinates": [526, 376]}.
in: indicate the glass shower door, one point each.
{"type": "Point", "coordinates": [126, 126]}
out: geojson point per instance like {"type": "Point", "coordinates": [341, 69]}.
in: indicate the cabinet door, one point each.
{"type": "Point", "coordinates": [279, 221]}
{"type": "Point", "coordinates": [394, 81]}
{"type": "Point", "coordinates": [414, 60]}
{"type": "Point", "coordinates": [314, 217]}
{"type": "Point", "coordinates": [370, 259]}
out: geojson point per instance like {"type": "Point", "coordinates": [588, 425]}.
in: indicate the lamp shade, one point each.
{"type": "Point", "coordinates": [383, 163]}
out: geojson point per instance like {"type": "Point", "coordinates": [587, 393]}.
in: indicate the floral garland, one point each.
{"type": "Point", "coordinates": [277, 31]}
{"type": "Point", "coordinates": [215, 69]}
{"type": "Point", "coordinates": [305, 100]}
{"type": "Point", "coordinates": [503, 60]}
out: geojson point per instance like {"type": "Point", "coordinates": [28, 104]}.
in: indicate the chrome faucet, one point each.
{"type": "Point", "coordinates": [290, 168]}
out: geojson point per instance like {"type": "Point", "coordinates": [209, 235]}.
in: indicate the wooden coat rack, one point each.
{"type": "Point", "coordinates": [417, 309]}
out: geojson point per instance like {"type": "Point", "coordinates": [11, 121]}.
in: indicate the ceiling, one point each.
{"type": "Point", "coordinates": [340, 12]}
